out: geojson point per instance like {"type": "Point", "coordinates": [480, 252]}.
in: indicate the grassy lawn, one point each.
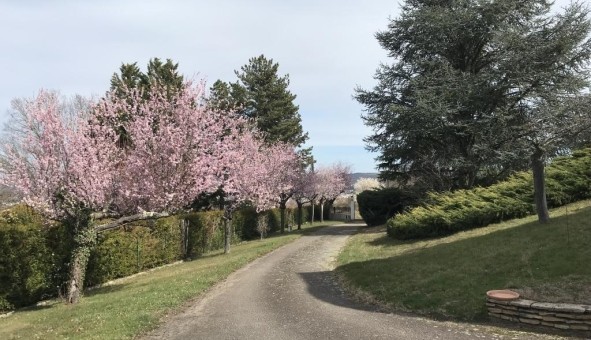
{"type": "Point", "coordinates": [134, 305]}
{"type": "Point", "coordinates": [449, 276]}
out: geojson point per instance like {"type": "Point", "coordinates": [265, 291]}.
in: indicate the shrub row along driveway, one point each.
{"type": "Point", "coordinates": [291, 294]}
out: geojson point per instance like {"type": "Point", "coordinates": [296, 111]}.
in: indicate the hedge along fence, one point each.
{"type": "Point", "coordinates": [131, 249]}
{"type": "Point", "coordinates": [31, 257]}
{"type": "Point", "coordinates": [568, 179]}
{"type": "Point", "coordinates": [34, 254]}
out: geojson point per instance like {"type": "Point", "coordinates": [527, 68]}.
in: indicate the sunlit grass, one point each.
{"type": "Point", "coordinates": [134, 305]}
{"type": "Point", "coordinates": [449, 276]}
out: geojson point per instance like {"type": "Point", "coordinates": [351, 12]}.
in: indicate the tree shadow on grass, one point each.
{"type": "Point", "coordinates": [41, 306]}
{"type": "Point", "coordinates": [105, 289]}
{"type": "Point", "coordinates": [386, 240]}
{"type": "Point", "coordinates": [350, 298]}
{"type": "Point", "coordinates": [372, 230]}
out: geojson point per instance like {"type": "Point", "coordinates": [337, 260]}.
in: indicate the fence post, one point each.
{"type": "Point", "coordinates": [186, 237]}
{"type": "Point", "coordinates": [184, 225]}
{"type": "Point", "coordinates": [137, 242]}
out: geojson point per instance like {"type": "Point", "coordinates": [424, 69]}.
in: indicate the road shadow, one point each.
{"type": "Point", "coordinates": [345, 229]}
{"type": "Point", "coordinates": [324, 286]}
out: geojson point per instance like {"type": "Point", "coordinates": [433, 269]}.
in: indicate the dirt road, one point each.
{"type": "Point", "coordinates": [291, 294]}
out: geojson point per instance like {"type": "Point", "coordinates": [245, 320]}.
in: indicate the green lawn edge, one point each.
{"type": "Point", "coordinates": [448, 277]}
{"type": "Point", "coordinates": [132, 306]}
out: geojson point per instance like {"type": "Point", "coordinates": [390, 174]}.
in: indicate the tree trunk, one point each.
{"type": "Point", "coordinates": [329, 205]}
{"type": "Point", "coordinates": [84, 240]}
{"type": "Point", "coordinates": [227, 230]}
{"type": "Point", "coordinates": [312, 216]}
{"type": "Point", "coordinates": [537, 164]}
{"type": "Point", "coordinates": [321, 210]}
{"type": "Point", "coordinates": [76, 276]}
{"type": "Point", "coordinates": [282, 208]}
{"type": "Point", "coordinates": [300, 213]}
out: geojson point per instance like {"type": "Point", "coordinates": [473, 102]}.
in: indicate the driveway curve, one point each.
{"type": "Point", "coordinates": [291, 294]}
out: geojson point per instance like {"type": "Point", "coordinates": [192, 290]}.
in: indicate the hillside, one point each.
{"type": "Point", "coordinates": [449, 276]}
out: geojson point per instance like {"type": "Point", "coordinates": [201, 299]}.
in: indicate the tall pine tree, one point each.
{"type": "Point", "coordinates": [261, 94]}
{"type": "Point", "coordinates": [467, 77]}
{"type": "Point", "coordinates": [161, 74]}
{"type": "Point", "coordinates": [158, 73]}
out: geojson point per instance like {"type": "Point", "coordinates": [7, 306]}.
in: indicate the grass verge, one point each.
{"type": "Point", "coordinates": [449, 276]}
{"type": "Point", "coordinates": [135, 305]}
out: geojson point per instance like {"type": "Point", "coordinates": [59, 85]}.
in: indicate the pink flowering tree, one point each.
{"type": "Point", "coordinates": [283, 164]}
{"type": "Point", "coordinates": [257, 173]}
{"type": "Point", "coordinates": [72, 168]}
{"type": "Point", "coordinates": [304, 192]}
{"type": "Point", "coordinates": [244, 177]}
{"type": "Point", "coordinates": [331, 182]}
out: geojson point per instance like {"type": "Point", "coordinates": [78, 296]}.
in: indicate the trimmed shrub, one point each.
{"type": "Point", "coordinates": [377, 206]}
{"type": "Point", "coordinates": [568, 179]}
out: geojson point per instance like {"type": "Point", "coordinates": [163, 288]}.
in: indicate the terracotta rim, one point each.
{"type": "Point", "coordinates": [503, 295]}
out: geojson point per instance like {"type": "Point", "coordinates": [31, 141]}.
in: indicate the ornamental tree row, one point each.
{"type": "Point", "coordinates": [72, 165]}
{"type": "Point", "coordinates": [323, 185]}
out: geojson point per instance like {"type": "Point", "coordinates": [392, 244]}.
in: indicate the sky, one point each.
{"type": "Point", "coordinates": [327, 47]}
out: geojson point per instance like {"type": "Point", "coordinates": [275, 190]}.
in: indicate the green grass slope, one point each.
{"type": "Point", "coordinates": [449, 276]}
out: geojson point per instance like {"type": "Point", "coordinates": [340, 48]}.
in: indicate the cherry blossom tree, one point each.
{"type": "Point", "coordinates": [243, 177]}
{"type": "Point", "coordinates": [257, 173]}
{"type": "Point", "coordinates": [304, 192]}
{"type": "Point", "coordinates": [283, 164]}
{"type": "Point", "coordinates": [331, 182]}
{"type": "Point", "coordinates": [72, 169]}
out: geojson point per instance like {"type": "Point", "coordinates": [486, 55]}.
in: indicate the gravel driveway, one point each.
{"type": "Point", "coordinates": [291, 294]}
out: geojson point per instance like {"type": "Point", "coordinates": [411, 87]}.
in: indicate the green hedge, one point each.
{"type": "Point", "coordinates": [131, 249]}
{"type": "Point", "coordinates": [125, 251]}
{"type": "Point", "coordinates": [568, 179]}
{"type": "Point", "coordinates": [34, 256]}
{"type": "Point", "coordinates": [377, 206]}
{"type": "Point", "coordinates": [31, 255]}
{"type": "Point", "coordinates": [205, 232]}
{"type": "Point", "coordinates": [306, 214]}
